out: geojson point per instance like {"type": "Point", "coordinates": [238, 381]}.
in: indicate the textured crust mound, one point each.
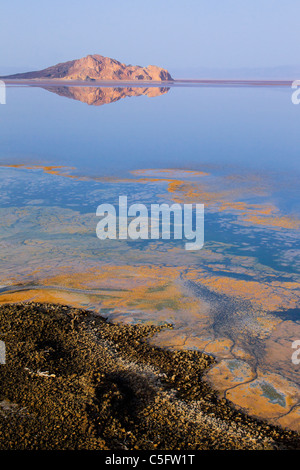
{"type": "Point", "coordinates": [72, 380]}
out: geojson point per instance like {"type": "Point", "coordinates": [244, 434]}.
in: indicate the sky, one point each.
{"type": "Point", "coordinates": [181, 36]}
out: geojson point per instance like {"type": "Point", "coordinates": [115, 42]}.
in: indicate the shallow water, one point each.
{"type": "Point", "coordinates": [235, 149]}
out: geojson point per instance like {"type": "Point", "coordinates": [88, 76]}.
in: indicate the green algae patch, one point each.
{"type": "Point", "coordinates": [272, 394]}
{"type": "Point", "coordinates": [157, 288]}
{"type": "Point", "coordinates": [72, 380]}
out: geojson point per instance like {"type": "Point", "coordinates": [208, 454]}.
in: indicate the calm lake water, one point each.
{"type": "Point", "coordinates": [65, 150]}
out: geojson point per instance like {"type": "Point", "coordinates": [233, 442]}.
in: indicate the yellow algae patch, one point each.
{"type": "Point", "coordinates": [219, 347]}
{"type": "Point", "coordinates": [184, 191]}
{"type": "Point", "coordinates": [170, 172]}
{"type": "Point", "coordinates": [268, 396]}
{"type": "Point", "coordinates": [240, 354]}
{"type": "Point", "coordinates": [172, 339]}
{"type": "Point", "coordinates": [266, 323]}
{"type": "Point", "coordinates": [116, 277]}
{"type": "Point", "coordinates": [47, 296]}
{"type": "Point", "coordinates": [159, 299]}
{"type": "Point", "coordinates": [227, 200]}
{"type": "Point", "coordinates": [123, 289]}
{"type": "Point", "coordinates": [50, 169]}
{"type": "Point", "coordinates": [230, 372]}
{"type": "Point", "coordinates": [278, 349]}
{"type": "Point", "coordinates": [291, 420]}
{"type": "Point", "coordinates": [267, 296]}
{"type": "Point", "coordinates": [160, 176]}
{"type": "Point", "coordinates": [183, 338]}
{"type": "Point", "coordinates": [274, 221]}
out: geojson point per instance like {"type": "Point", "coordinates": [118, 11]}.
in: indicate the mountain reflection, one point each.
{"type": "Point", "coordinates": [98, 96]}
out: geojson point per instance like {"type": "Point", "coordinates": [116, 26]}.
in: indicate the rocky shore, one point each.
{"type": "Point", "coordinates": [72, 380]}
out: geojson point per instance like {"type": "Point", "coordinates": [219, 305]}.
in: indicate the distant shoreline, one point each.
{"type": "Point", "coordinates": [145, 83]}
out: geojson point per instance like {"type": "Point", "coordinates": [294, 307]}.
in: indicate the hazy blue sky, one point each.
{"type": "Point", "coordinates": [175, 34]}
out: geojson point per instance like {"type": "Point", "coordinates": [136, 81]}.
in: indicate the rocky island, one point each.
{"type": "Point", "coordinates": [96, 67]}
